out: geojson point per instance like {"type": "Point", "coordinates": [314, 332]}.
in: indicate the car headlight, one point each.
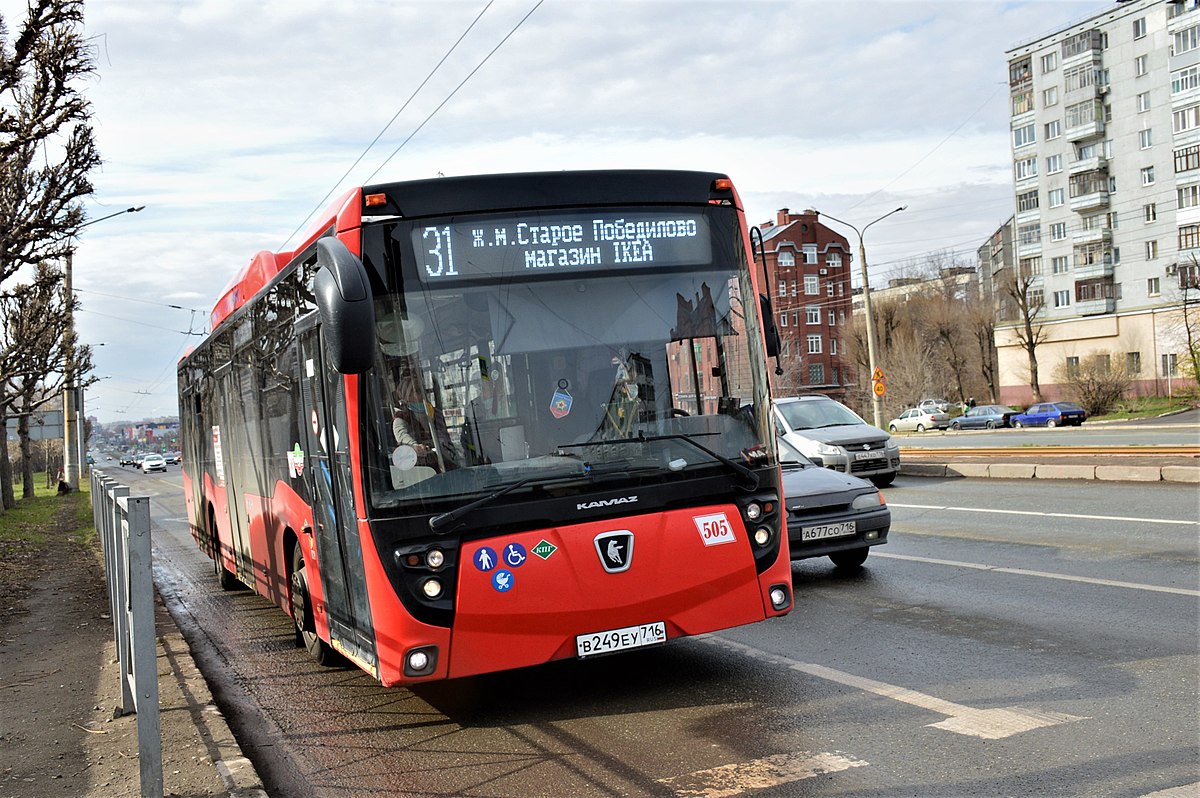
{"type": "Point", "coordinates": [892, 446]}
{"type": "Point", "coordinates": [867, 501]}
{"type": "Point", "coordinates": [828, 450]}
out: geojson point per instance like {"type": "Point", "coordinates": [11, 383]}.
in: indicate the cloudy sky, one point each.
{"type": "Point", "coordinates": [232, 120]}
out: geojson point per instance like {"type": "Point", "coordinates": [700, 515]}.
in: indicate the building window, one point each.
{"type": "Point", "coordinates": [812, 315]}
{"type": "Point", "coordinates": [1151, 250]}
{"type": "Point", "coordinates": [832, 346]}
{"type": "Point", "coordinates": [1057, 197]}
{"type": "Point", "coordinates": [811, 287]}
{"type": "Point", "coordinates": [1145, 139]}
{"type": "Point", "coordinates": [1028, 201]}
{"type": "Point", "coordinates": [1133, 362]}
{"type": "Point", "coordinates": [1080, 77]}
{"type": "Point", "coordinates": [1150, 212]}
{"type": "Point", "coordinates": [1029, 267]}
{"type": "Point", "coordinates": [810, 253]}
{"type": "Point", "coordinates": [1187, 158]}
{"type": "Point", "coordinates": [1168, 366]}
{"type": "Point", "coordinates": [1187, 197]}
{"type": "Point", "coordinates": [1084, 113]}
{"type": "Point", "coordinates": [1053, 164]}
{"type": "Point", "coordinates": [1189, 236]}
{"type": "Point", "coordinates": [1139, 66]}
{"type": "Point", "coordinates": [794, 287]}
{"type": "Point", "coordinates": [1148, 176]}
{"type": "Point", "coordinates": [1186, 119]}
{"type": "Point", "coordinates": [786, 258]}
{"type": "Point", "coordinates": [1050, 96]}
{"type": "Point", "coordinates": [1060, 264]}
{"type": "Point", "coordinates": [783, 287]}
{"type": "Point", "coordinates": [816, 373]}
{"type": "Point", "coordinates": [1139, 27]}
{"type": "Point", "coordinates": [1062, 299]}
{"type": "Point", "coordinates": [783, 317]}
{"type": "Point", "coordinates": [832, 318]}
{"type": "Point", "coordinates": [1024, 136]}
{"type": "Point", "coordinates": [1049, 62]}
{"type": "Point", "coordinates": [1152, 287]}
{"type": "Point", "coordinates": [814, 344]}
{"type": "Point", "coordinates": [1072, 366]}
{"type": "Point", "coordinates": [1185, 79]}
{"type": "Point", "coordinates": [1185, 40]}
{"type": "Point", "coordinates": [1058, 231]}
{"type": "Point", "coordinates": [833, 259]}
{"type": "Point", "coordinates": [1029, 234]}
{"type": "Point", "coordinates": [1053, 129]}
{"type": "Point", "coordinates": [1143, 102]}
{"type": "Point", "coordinates": [1022, 102]}
{"type": "Point", "coordinates": [835, 375]}
{"type": "Point", "coordinates": [1026, 168]}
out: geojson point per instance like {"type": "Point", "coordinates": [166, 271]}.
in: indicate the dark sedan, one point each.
{"type": "Point", "coordinates": [984, 417]}
{"type": "Point", "coordinates": [1050, 414]}
{"type": "Point", "coordinates": [830, 514]}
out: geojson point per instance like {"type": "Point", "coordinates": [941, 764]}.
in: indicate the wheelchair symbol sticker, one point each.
{"type": "Point", "coordinates": [502, 580]}
{"type": "Point", "coordinates": [514, 555]}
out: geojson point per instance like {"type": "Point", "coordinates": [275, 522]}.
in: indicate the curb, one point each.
{"type": "Point", "coordinates": [1104, 473]}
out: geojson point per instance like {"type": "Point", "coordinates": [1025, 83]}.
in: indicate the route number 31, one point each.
{"type": "Point", "coordinates": [714, 529]}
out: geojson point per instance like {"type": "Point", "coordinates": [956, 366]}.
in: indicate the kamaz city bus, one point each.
{"type": "Point", "coordinates": [482, 423]}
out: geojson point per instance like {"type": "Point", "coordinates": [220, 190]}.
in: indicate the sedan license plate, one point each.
{"type": "Point", "coordinates": [647, 634]}
{"type": "Point", "coordinates": [828, 531]}
{"type": "Point", "coordinates": [874, 454]}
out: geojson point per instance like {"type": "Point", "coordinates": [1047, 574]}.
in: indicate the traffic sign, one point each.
{"type": "Point", "coordinates": [879, 388]}
{"type": "Point", "coordinates": [877, 375]}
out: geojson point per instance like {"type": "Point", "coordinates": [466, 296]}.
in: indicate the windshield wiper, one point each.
{"type": "Point", "coordinates": [441, 524]}
{"type": "Point", "coordinates": [748, 474]}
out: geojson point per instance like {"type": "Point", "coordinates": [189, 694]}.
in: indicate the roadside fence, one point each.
{"type": "Point", "coordinates": [123, 522]}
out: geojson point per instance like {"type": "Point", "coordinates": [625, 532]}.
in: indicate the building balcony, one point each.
{"type": "Point", "coordinates": [1090, 130]}
{"type": "Point", "coordinates": [1093, 164]}
{"type": "Point", "coordinates": [1096, 235]}
{"type": "Point", "coordinates": [1089, 270]}
{"type": "Point", "coordinates": [1090, 202]}
{"type": "Point", "coordinates": [1094, 307]}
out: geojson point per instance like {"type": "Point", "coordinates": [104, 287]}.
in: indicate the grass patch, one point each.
{"type": "Point", "coordinates": [1145, 407]}
{"type": "Point", "coordinates": [30, 523]}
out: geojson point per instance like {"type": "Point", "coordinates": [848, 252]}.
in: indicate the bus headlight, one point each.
{"type": "Point", "coordinates": [781, 599]}
{"type": "Point", "coordinates": [432, 588]}
{"type": "Point", "coordinates": [754, 511]}
{"type": "Point", "coordinates": [421, 661]}
{"type": "Point", "coordinates": [762, 536]}
{"type": "Point", "coordinates": [435, 559]}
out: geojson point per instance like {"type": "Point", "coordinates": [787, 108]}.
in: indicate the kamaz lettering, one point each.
{"type": "Point", "coordinates": [605, 503]}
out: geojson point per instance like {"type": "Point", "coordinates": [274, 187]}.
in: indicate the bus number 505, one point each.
{"type": "Point", "coordinates": [714, 529]}
{"type": "Point", "coordinates": [441, 264]}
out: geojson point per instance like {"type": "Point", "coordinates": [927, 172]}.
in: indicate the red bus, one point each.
{"type": "Point", "coordinates": [482, 423]}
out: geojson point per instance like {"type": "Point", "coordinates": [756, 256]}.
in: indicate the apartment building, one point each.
{"type": "Point", "coordinates": [808, 271]}
{"type": "Point", "coordinates": [1106, 173]}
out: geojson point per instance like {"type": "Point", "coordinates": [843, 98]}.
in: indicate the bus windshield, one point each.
{"type": "Point", "coordinates": [544, 361]}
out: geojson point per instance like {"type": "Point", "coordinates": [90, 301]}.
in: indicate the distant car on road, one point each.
{"type": "Point", "coordinates": [830, 514]}
{"type": "Point", "coordinates": [918, 420]}
{"type": "Point", "coordinates": [1050, 414]}
{"type": "Point", "coordinates": [172, 458]}
{"type": "Point", "coordinates": [984, 417]}
{"type": "Point", "coordinates": [934, 405]}
{"type": "Point", "coordinates": [833, 436]}
{"type": "Point", "coordinates": [153, 462]}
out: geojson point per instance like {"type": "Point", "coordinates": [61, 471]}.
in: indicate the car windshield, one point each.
{"type": "Point", "coordinates": [790, 455]}
{"type": "Point", "coordinates": [816, 414]}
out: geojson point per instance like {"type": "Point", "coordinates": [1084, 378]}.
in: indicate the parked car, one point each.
{"type": "Point", "coordinates": [934, 405]}
{"type": "Point", "coordinates": [153, 462]}
{"type": "Point", "coordinates": [1050, 414]}
{"type": "Point", "coordinates": [833, 436]}
{"type": "Point", "coordinates": [832, 515]}
{"type": "Point", "coordinates": [918, 420]}
{"type": "Point", "coordinates": [984, 417]}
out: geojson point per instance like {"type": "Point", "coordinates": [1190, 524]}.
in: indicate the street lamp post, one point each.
{"type": "Point", "coordinates": [872, 344]}
{"type": "Point", "coordinates": [73, 442]}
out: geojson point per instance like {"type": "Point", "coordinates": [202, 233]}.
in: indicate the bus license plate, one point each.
{"type": "Point", "coordinates": [875, 454]}
{"type": "Point", "coordinates": [827, 531]}
{"type": "Point", "coordinates": [647, 634]}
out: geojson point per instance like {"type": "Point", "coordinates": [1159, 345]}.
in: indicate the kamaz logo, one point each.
{"type": "Point", "coordinates": [605, 503]}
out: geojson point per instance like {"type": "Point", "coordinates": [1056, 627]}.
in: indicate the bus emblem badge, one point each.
{"type": "Point", "coordinates": [544, 549]}
{"type": "Point", "coordinates": [616, 550]}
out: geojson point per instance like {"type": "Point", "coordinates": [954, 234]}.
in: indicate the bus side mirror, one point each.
{"type": "Point", "coordinates": [346, 308]}
{"type": "Point", "coordinates": [770, 331]}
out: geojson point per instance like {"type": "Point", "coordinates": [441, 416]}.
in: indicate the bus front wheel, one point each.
{"type": "Point", "coordinates": [302, 615]}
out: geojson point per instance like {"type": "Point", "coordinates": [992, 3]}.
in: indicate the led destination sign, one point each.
{"type": "Point", "coordinates": [580, 242]}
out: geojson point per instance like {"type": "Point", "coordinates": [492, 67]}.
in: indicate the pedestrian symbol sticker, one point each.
{"type": "Point", "coordinates": [544, 549]}
{"type": "Point", "coordinates": [485, 559]}
{"type": "Point", "coordinates": [502, 580]}
{"type": "Point", "coordinates": [514, 555]}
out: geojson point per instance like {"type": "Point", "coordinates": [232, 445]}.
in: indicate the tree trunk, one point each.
{"type": "Point", "coordinates": [27, 489]}
{"type": "Point", "coordinates": [8, 499]}
{"type": "Point", "coordinates": [1031, 349]}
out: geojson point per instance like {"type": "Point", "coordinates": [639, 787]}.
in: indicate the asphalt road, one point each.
{"type": "Point", "coordinates": [1014, 638]}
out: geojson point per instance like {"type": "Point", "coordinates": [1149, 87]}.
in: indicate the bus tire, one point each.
{"type": "Point", "coordinates": [225, 579]}
{"type": "Point", "coordinates": [302, 614]}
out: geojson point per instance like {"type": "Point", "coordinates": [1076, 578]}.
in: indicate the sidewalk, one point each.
{"type": "Point", "coordinates": [61, 734]}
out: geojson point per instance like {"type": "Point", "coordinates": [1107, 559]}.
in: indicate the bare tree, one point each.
{"type": "Point", "coordinates": [981, 326]}
{"type": "Point", "coordinates": [1024, 289]}
{"type": "Point", "coordinates": [1096, 382]}
{"type": "Point", "coordinates": [1189, 290]}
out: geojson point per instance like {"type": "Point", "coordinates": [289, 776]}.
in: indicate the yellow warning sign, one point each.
{"type": "Point", "coordinates": [877, 375]}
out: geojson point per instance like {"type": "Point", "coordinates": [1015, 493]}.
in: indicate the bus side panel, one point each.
{"type": "Point", "coordinates": [267, 553]}
{"type": "Point", "coordinates": [396, 631]}
{"type": "Point", "coordinates": [218, 497]}
{"type": "Point", "coordinates": [673, 577]}
{"type": "Point", "coordinates": [292, 512]}
{"type": "Point", "coordinates": [191, 511]}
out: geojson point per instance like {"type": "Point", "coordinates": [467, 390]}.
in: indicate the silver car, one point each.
{"type": "Point", "coordinates": [919, 420]}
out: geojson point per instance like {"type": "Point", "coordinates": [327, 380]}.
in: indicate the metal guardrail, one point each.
{"type": "Point", "coordinates": [123, 522]}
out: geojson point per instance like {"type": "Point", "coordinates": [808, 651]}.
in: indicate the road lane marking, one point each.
{"type": "Point", "coordinates": [988, 724]}
{"type": "Point", "coordinates": [1180, 591]}
{"type": "Point", "coordinates": [1044, 515]}
{"type": "Point", "coordinates": [760, 774]}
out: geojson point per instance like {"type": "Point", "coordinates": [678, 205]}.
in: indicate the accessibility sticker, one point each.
{"type": "Point", "coordinates": [485, 558]}
{"type": "Point", "coordinates": [544, 549]}
{"type": "Point", "coordinates": [514, 555]}
{"type": "Point", "coordinates": [502, 580]}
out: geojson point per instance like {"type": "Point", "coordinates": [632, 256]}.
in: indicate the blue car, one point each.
{"type": "Point", "coordinates": [1050, 414]}
{"type": "Point", "coordinates": [984, 417]}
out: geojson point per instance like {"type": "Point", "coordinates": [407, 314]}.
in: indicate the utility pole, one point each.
{"type": "Point", "coordinates": [73, 429]}
{"type": "Point", "coordinates": [872, 343]}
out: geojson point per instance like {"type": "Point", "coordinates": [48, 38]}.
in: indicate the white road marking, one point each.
{"type": "Point", "coordinates": [988, 724]}
{"type": "Point", "coordinates": [1182, 791]}
{"type": "Point", "coordinates": [1181, 591]}
{"type": "Point", "coordinates": [759, 774]}
{"type": "Point", "coordinates": [1044, 515]}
